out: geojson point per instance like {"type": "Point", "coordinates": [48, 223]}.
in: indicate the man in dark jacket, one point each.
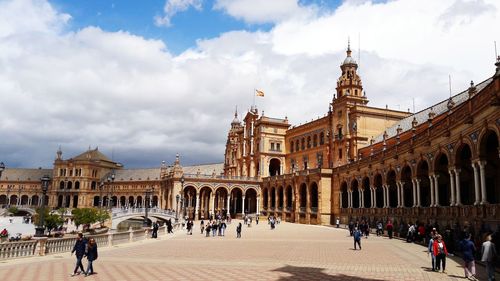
{"type": "Point", "coordinates": [79, 250]}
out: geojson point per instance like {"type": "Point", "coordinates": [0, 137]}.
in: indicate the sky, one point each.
{"type": "Point", "coordinates": [144, 80]}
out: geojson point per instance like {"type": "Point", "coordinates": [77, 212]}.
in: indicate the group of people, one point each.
{"type": "Point", "coordinates": [84, 248]}
{"type": "Point", "coordinates": [217, 227]}
{"type": "Point", "coordinates": [273, 221]}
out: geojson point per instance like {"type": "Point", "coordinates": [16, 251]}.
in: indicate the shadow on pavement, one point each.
{"type": "Point", "coordinates": [314, 273]}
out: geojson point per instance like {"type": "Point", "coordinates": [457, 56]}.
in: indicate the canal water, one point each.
{"type": "Point", "coordinates": [16, 225]}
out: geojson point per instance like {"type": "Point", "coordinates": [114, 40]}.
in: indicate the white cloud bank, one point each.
{"type": "Point", "coordinates": [173, 7]}
{"type": "Point", "coordinates": [129, 94]}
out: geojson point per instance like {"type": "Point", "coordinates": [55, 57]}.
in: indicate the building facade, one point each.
{"type": "Point", "coordinates": [440, 164]}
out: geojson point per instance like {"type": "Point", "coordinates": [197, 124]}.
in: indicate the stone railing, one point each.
{"type": "Point", "coordinates": [43, 246]}
{"type": "Point", "coordinates": [17, 249]}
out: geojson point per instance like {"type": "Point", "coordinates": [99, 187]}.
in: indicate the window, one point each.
{"type": "Point", "coordinates": [340, 153]}
{"type": "Point", "coordinates": [303, 144]}
{"type": "Point", "coordinates": [93, 185]}
{"type": "Point", "coordinates": [291, 146]}
{"type": "Point", "coordinates": [339, 135]}
{"type": "Point", "coordinates": [315, 140]}
{"type": "Point", "coordinates": [71, 172]}
{"type": "Point", "coordinates": [272, 146]}
{"type": "Point", "coordinates": [278, 147]}
{"type": "Point", "coordinates": [297, 145]}
{"type": "Point", "coordinates": [321, 138]}
{"type": "Point", "coordinates": [308, 141]}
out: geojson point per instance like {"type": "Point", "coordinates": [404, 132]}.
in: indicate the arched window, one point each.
{"type": "Point", "coordinates": [315, 140]}
{"type": "Point", "coordinates": [291, 146]}
{"type": "Point", "coordinates": [77, 185]}
{"type": "Point", "coordinates": [61, 185]}
{"type": "Point", "coordinates": [321, 138]}
{"type": "Point", "coordinates": [308, 141]}
{"type": "Point", "coordinates": [70, 185]}
{"type": "Point", "coordinates": [297, 145]}
{"type": "Point", "coordinates": [303, 144]}
{"type": "Point", "coordinates": [93, 185]}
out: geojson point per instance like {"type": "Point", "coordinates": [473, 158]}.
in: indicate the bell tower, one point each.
{"type": "Point", "coordinates": [349, 86]}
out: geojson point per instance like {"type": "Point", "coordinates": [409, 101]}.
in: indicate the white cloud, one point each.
{"type": "Point", "coordinates": [129, 94]}
{"type": "Point", "coordinates": [264, 11]}
{"type": "Point", "coordinates": [173, 7]}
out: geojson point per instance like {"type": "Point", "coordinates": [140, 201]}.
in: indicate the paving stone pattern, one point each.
{"type": "Point", "coordinates": [290, 252]}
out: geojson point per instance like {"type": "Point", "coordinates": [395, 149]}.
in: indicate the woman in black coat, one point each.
{"type": "Point", "coordinates": [91, 254]}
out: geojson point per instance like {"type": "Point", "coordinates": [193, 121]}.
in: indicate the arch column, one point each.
{"type": "Point", "coordinates": [431, 181]}
{"type": "Point", "coordinates": [398, 185]}
{"type": "Point", "coordinates": [414, 190]}
{"type": "Point", "coordinates": [197, 208]}
{"type": "Point", "coordinates": [243, 204]}
{"type": "Point", "coordinates": [361, 198]}
{"type": "Point", "coordinates": [374, 197]}
{"type": "Point", "coordinates": [452, 187]}
{"type": "Point", "coordinates": [258, 205]}
{"type": "Point", "coordinates": [482, 173]}
{"type": "Point", "coordinates": [436, 190]}
{"type": "Point", "coordinates": [419, 202]}
{"type": "Point", "coordinates": [457, 186]}
{"type": "Point", "coordinates": [476, 184]}
{"type": "Point", "coordinates": [212, 204]}
{"type": "Point", "coordinates": [340, 197]}
{"type": "Point", "coordinates": [401, 184]}
{"type": "Point", "coordinates": [229, 199]}
{"type": "Point", "coordinates": [349, 199]}
{"type": "Point", "coordinates": [308, 205]}
{"type": "Point", "coordinates": [386, 196]}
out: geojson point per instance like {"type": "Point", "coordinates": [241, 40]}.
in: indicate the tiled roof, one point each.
{"type": "Point", "coordinates": [94, 154]}
{"type": "Point", "coordinates": [137, 174]}
{"type": "Point", "coordinates": [206, 169]}
{"type": "Point", "coordinates": [423, 115]}
{"type": "Point", "coordinates": [14, 174]}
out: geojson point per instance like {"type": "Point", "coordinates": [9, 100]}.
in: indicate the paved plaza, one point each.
{"type": "Point", "coordinates": [290, 252]}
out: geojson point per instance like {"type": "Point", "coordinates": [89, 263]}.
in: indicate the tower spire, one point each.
{"type": "Point", "coordinates": [348, 46]}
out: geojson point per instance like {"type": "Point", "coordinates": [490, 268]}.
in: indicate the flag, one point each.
{"type": "Point", "coordinates": [259, 93]}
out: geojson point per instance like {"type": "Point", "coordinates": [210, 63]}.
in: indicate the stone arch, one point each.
{"type": "Point", "coordinates": [13, 200]}
{"type": "Point", "coordinates": [3, 200]}
{"type": "Point", "coordinates": [220, 203]}
{"type": "Point", "coordinates": [24, 200]}
{"type": "Point", "coordinates": [265, 198]}
{"type": "Point", "coordinates": [303, 196]}
{"type": "Point", "coordinates": [355, 193]}
{"type": "Point", "coordinates": [35, 200]}
{"type": "Point", "coordinates": [77, 185]}
{"type": "Point", "coordinates": [61, 185]}
{"type": "Point", "coordinates": [96, 201]}
{"type": "Point", "coordinates": [425, 185]}
{"type": "Point", "coordinates": [75, 201]}
{"type": "Point", "coordinates": [393, 189]}
{"type": "Point", "coordinates": [250, 201]}
{"type": "Point", "coordinates": [466, 174]}
{"type": "Point", "coordinates": [313, 194]}
{"type": "Point", "coordinates": [123, 201]}
{"type": "Point", "coordinates": [289, 197]}
{"type": "Point", "coordinates": [441, 171]}
{"type": "Point", "coordinates": [274, 167]}
{"type": "Point", "coordinates": [379, 191]}
{"type": "Point", "coordinates": [273, 197]}
{"type": "Point", "coordinates": [280, 197]}
{"type": "Point", "coordinates": [367, 195]}
{"type": "Point", "coordinates": [406, 180]}
{"type": "Point", "coordinates": [131, 201]}
{"type": "Point", "coordinates": [345, 199]}
{"type": "Point", "coordinates": [139, 201]}
{"type": "Point", "coordinates": [188, 201]}
{"type": "Point", "coordinates": [489, 153]}
{"type": "Point", "coordinates": [235, 206]}
{"type": "Point", "coordinates": [205, 198]}
{"type": "Point", "coordinates": [69, 185]}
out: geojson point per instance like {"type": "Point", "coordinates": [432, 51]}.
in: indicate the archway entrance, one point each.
{"type": "Point", "coordinates": [251, 201]}
{"type": "Point", "coordinates": [235, 206]}
{"type": "Point", "coordinates": [489, 151]}
{"type": "Point", "coordinates": [466, 175]}
{"type": "Point", "coordinates": [274, 167]}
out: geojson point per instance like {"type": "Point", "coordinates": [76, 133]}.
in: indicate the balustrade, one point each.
{"type": "Point", "coordinates": [17, 249]}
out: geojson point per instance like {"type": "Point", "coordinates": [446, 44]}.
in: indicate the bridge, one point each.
{"type": "Point", "coordinates": [119, 215]}
{"type": "Point", "coordinates": [20, 208]}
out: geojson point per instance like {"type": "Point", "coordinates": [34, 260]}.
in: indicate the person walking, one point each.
{"type": "Point", "coordinates": [223, 227]}
{"type": "Point", "coordinates": [79, 250]}
{"type": "Point", "coordinates": [238, 230]}
{"type": "Point", "coordinates": [91, 254]}
{"type": "Point", "coordinates": [337, 222]}
{"type": "Point", "coordinates": [430, 251]}
{"type": "Point", "coordinates": [202, 226]}
{"type": "Point", "coordinates": [357, 237]}
{"type": "Point", "coordinates": [440, 253]}
{"type": "Point", "coordinates": [389, 228]}
{"type": "Point", "coordinates": [156, 226]}
{"type": "Point", "coordinates": [488, 255]}
{"type": "Point", "coordinates": [468, 251]}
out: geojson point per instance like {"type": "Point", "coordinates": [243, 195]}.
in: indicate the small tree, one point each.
{"type": "Point", "coordinates": [53, 221]}
{"type": "Point", "coordinates": [36, 216]}
{"type": "Point", "coordinates": [62, 211]}
{"type": "Point", "coordinates": [102, 216]}
{"type": "Point", "coordinates": [84, 216]}
{"type": "Point", "coordinates": [13, 210]}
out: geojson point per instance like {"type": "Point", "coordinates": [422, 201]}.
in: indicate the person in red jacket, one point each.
{"type": "Point", "coordinates": [440, 253]}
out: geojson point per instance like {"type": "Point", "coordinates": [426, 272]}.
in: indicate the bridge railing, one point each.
{"type": "Point", "coordinates": [118, 212]}
{"type": "Point", "coordinates": [17, 249]}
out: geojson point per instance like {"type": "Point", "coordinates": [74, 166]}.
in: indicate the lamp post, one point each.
{"type": "Point", "coordinates": [9, 188]}
{"type": "Point", "coordinates": [177, 197]}
{"type": "Point", "coordinates": [40, 230]}
{"type": "Point", "coordinates": [101, 186]}
{"type": "Point", "coordinates": [149, 191]}
{"type": "Point", "coordinates": [183, 207]}
{"type": "Point", "coordinates": [111, 179]}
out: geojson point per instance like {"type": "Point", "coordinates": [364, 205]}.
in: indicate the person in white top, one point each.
{"type": "Point", "coordinates": [488, 255]}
